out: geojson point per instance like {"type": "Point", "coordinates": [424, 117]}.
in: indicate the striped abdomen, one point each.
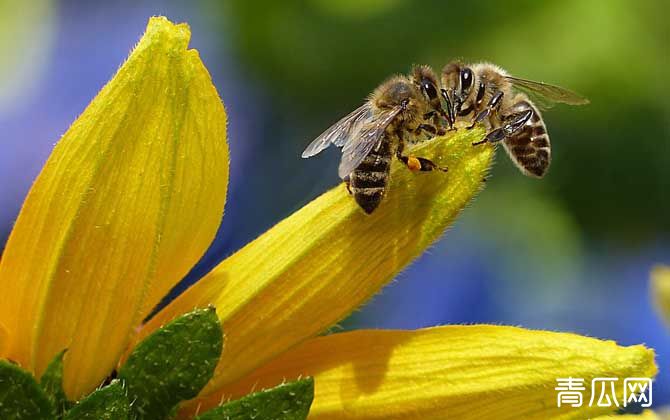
{"type": "Point", "coordinates": [369, 180]}
{"type": "Point", "coordinates": [529, 148]}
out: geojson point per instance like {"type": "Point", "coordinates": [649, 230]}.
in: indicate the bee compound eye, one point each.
{"type": "Point", "coordinates": [466, 79]}
{"type": "Point", "coordinates": [429, 89]}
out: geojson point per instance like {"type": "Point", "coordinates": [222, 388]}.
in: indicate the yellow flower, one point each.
{"type": "Point", "coordinates": [133, 194]}
{"type": "Point", "coordinates": [127, 203]}
{"type": "Point", "coordinates": [459, 372]}
{"type": "Point", "coordinates": [645, 415]}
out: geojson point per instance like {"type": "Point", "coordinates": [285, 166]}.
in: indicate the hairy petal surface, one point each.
{"type": "Point", "coordinates": [454, 372]}
{"type": "Point", "coordinates": [318, 265]}
{"type": "Point", "coordinates": [128, 201]}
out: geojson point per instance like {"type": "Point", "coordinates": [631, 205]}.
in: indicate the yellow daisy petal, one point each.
{"type": "Point", "coordinates": [128, 201]}
{"type": "Point", "coordinates": [453, 372]}
{"type": "Point", "coordinates": [660, 290]}
{"type": "Point", "coordinates": [4, 339]}
{"type": "Point", "coordinates": [645, 415]}
{"type": "Point", "coordinates": [318, 265]}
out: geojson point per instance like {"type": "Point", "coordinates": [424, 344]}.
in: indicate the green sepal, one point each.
{"type": "Point", "coordinates": [289, 401]}
{"type": "Point", "coordinates": [173, 364]}
{"type": "Point", "coordinates": [21, 397]}
{"type": "Point", "coordinates": [52, 384]}
{"type": "Point", "coordinates": [107, 403]}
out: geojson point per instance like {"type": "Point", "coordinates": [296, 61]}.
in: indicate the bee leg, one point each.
{"type": "Point", "coordinates": [493, 137]}
{"type": "Point", "coordinates": [513, 123]}
{"type": "Point", "coordinates": [411, 162]}
{"type": "Point", "coordinates": [430, 130]}
{"type": "Point", "coordinates": [422, 164]}
{"type": "Point", "coordinates": [427, 165]}
{"type": "Point", "coordinates": [449, 114]}
{"type": "Point", "coordinates": [347, 182]}
{"type": "Point", "coordinates": [415, 163]}
{"type": "Point", "coordinates": [435, 117]}
{"type": "Point", "coordinates": [429, 115]}
{"type": "Point", "coordinates": [492, 106]}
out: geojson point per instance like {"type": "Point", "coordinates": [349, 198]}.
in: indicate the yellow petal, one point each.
{"type": "Point", "coordinates": [4, 339]}
{"type": "Point", "coordinates": [453, 372]}
{"type": "Point", "coordinates": [660, 290]}
{"type": "Point", "coordinates": [318, 265]}
{"type": "Point", "coordinates": [128, 201]}
{"type": "Point", "coordinates": [645, 415]}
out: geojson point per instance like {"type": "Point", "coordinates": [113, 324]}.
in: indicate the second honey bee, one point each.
{"type": "Point", "coordinates": [485, 93]}
{"type": "Point", "coordinates": [404, 109]}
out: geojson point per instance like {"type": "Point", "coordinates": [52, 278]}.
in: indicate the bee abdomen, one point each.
{"type": "Point", "coordinates": [530, 148]}
{"type": "Point", "coordinates": [369, 198]}
{"type": "Point", "coordinates": [370, 178]}
{"type": "Point", "coordinates": [368, 188]}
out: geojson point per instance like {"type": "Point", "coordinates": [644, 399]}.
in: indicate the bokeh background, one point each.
{"type": "Point", "coordinates": [571, 252]}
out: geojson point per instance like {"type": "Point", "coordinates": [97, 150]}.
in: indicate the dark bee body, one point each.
{"type": "Point", "coordinates": [402, 109]}
{"type": "Point", "coordinates": [529, 148]}
{"type": "Point", "coordinates": [485, 93]}
{"type": "Point", "coordinates": [368, 182]}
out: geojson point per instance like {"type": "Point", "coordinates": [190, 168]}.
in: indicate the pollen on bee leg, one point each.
{"type": "Point", "coordinates": [413, 163]}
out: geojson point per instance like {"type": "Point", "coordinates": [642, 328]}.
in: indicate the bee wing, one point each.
{"type": "Point", "coordinates": [339, 132]}
{"type": "Point", "coordinates": [545, 94]}
{"type": "Point", "coordinates": [369, 137]}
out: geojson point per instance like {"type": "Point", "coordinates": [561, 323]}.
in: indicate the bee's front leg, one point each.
{"type": "Point", "coordinates": [347, 183]}
{"type": "Point", "coordinates": [493, 105]}
{"type": "Point", "coordinates": [428, 129]}
{"type": "Point", "coordinates": [513, 123]}
{"type": "Point", "coordinates": [435, 128]}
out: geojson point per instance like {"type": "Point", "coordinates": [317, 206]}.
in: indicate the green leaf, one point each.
{"type": "Point", "coordinates": [173, 364]}
{"type": "Point", "coordinates": [52, 384]}
{"type": "Point", "coordinates": [290, 401]}
{"type": "Point", "coordinates": [108, 403]}
{"type": "Point", "coordinates": [21, 396]}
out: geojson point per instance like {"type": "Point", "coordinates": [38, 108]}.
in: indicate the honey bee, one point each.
{"type": "Point", "coordinates": [485, 93]}
{"type": "Point", "coordinates": [403, 109]}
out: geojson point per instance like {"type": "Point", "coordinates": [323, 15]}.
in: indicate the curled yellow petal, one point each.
{"type": "Point", "coordinates": [4, 340]}
{"type": "Point", "coordinates": [452, 372]}
{"type": "Point", "coordinates": [128, 201]}
{"type": "Point", "coordinates": [318, 265]}
{"type": "Point", "coordinates": [660, 291]}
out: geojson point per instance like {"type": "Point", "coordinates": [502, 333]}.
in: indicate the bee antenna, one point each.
{"type": "Point", "coordinates": [451, 118]}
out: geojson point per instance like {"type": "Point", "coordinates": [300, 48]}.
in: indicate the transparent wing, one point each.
{"type": "Point", "coordinates": [370, 136]}
{"type": "Point", "coordinates": [545, 94]}
{"type": "Point", "coordinates": [341, 131]}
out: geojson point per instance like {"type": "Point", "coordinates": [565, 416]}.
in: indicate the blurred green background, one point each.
{"type": "Point", "coordinates": [570, 252]}
{"type": "Point", "coordinates": [320, 58]}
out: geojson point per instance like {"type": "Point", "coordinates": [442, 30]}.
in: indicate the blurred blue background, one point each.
{"type": "Point", "coordinates": [571, 252]}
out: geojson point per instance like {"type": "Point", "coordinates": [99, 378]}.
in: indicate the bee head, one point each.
{"type": "Point", "coordinates": [425, 80]}
{"type": "Point", "coordinates": [397, 91]}
{"type": "Point", "coordinates": [457, 81]}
